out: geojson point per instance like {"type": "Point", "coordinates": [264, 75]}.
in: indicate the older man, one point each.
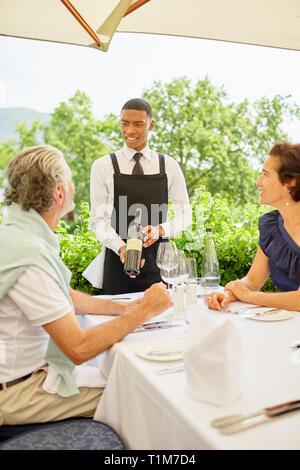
{"type": "Point", "coordinates": [36, 301]}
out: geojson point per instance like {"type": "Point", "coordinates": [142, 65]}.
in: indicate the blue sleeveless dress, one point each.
{"type": "Point", "coordinates": [282, 252]}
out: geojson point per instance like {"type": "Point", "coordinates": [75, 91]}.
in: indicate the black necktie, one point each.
{"type": "Point", "coordinates": [137, 169]}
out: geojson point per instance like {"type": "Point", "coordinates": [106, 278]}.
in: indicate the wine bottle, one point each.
{"type": "Point", "coordinates": [134, 246]}
{"type": "Point", "coordinates": [210, 264]}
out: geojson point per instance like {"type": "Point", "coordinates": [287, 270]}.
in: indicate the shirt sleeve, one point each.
{"type": "Point", "coordinates": [178, 194]}
{"type": "Point", "coordinates": [39, 297]}
{"type": "Point", "coordinates": [101, 207]}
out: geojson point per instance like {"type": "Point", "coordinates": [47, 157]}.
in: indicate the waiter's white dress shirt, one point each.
{"type": "Point", "coordinates": [102, 193]}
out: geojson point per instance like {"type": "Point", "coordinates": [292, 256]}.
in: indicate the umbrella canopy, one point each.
{"type": "Point", "coordinates": [274, 23]}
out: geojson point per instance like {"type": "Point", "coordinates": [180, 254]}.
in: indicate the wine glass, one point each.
{"type": "Point", "coordinates": [168, 270]}
{"type": "Point", "coordinates": [182, 268]}
{"type": "Point", "coordinates": [163, 247]}
{"type": "Point", "coordinates": [177, 277]}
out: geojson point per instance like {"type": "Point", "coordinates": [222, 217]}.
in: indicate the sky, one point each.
{"type": "Point", "coordinates": [40, 75]}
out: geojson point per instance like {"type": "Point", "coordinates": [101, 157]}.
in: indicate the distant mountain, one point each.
{"type": "Point", "coordinates": [8, 117]}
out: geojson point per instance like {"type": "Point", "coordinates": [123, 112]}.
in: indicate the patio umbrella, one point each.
{"type": "Point", "coordinates": [92, 23]}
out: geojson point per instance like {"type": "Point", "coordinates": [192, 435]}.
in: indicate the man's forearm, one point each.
{"type": "Point", "coordinates": [86, 304]}
{"type": "Point", "coordinates": [99, 338]}
{"type": "Point", "coordinates": [82, 344]}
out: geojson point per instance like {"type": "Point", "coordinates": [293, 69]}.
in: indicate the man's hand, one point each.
{"type": "Point", "coordinates": [122, 254]}
{"type": "Point", "coordinates": [152, 234]}
{"type": "Point", "coordinates": [156, 299]}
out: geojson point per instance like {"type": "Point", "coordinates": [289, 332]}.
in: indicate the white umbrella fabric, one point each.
{"type": "Point", "coordinates": [274, 23]}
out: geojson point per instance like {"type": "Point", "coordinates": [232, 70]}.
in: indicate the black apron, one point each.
{"type": "Point", "coordinates": [150, 193]}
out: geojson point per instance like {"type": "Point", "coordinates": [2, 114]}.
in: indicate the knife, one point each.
{"type": "Point", "coordinates": [152, 327]}
{"type": "Point", "coordinates": [162, 322]}
{"type": "Point", "coordinates": [239, 422]}
{"type": "Point", "coordinates": [170, 369]}
{"type": "Point", "coordinates": [261, 311]}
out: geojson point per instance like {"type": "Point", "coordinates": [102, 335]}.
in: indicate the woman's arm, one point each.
{"type": "Point", "coordinates": [287, 300]}
{"type": "Point", "coordinates": [247, 289]}
{"type": "Point", "coordinates": [253, 281]}
{"type": "Point", "coordinates": [258, 273]}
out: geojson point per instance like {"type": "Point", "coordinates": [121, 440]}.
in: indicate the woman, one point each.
{"type": "Point", "coordinates": [278, 253]}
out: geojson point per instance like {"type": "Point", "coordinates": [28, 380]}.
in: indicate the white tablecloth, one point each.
{"type": "Point", "coordinates": [153, 411]}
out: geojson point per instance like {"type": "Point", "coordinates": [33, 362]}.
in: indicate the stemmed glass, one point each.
{"type": "Point", "coordinates": [182, 268]}
{"type": "Point", "coordinates": [168, 270]}
{"type": "Point", "coordinates": [176, 275]}
{"type": "Point", "coordinates": [163, 247]}
{"type": "Point", "coordinates": [174, 268]}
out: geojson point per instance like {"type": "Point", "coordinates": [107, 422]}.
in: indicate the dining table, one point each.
{"type": "Point", "coordinates": [154, 410]}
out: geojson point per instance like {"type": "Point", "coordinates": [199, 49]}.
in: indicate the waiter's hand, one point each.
{"type": "Point", "coordinates": [152, 234]}
{"type": "Point", "coordinates": [122, 254]}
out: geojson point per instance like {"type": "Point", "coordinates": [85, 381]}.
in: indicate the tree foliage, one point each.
{"type": "Point", "coordinates": [219, 144]}
{"type": "Point", "coordinates": [77, 133]}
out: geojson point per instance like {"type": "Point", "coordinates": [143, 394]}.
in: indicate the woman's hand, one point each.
{"type": "Point", "coordinates": [239, 289]}
{"type": "Point", "coordinates": [220, 300]}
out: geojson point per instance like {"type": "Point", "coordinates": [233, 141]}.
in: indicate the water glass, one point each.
{"type": "Point", "coordinates": [192, 268]}
{"type": "Point", "coordinates": [191, 292]}
{"type": "Point", "coordinates": [201, 287]}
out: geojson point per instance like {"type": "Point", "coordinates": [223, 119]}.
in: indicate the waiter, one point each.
{"type": "Point", "coordinates": [132, 177]}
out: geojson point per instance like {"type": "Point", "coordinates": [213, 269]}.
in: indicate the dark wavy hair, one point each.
{"type": "Point", "coordinates": [289, 157]}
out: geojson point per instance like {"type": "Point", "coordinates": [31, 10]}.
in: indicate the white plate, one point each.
{"type": "Point", "coordinates": [168, 345]}
{"type": "Point", "coordinates": [277, 315]}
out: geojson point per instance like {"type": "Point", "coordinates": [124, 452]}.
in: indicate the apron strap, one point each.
{"type": "Point", "coordinates": [162, 170]}
{"type": "Point", "coordinates": [115, 163]}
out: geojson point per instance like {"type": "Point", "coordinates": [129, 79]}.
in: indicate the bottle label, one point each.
{"type": "Point", "coordinates": [134, 244]}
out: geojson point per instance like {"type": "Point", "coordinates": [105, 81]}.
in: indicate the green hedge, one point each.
{"type": "Point", "coordinates": [78, 248]}
{"type": "Point", "coordinates": [235, 232]}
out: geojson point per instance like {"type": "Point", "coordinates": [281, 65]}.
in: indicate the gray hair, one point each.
{"type": "Point", "coordinates": [33, 175]}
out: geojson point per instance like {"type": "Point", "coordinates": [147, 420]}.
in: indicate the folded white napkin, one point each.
{"type": "Point", "coordinates": [85, 376]}
{"type": "Point", "coordinates": [94, 271]}
{"type": "Point", "coordinates": [212, 358]}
